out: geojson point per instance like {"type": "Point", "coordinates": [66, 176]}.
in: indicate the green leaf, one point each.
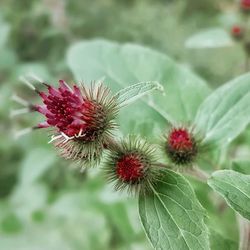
{"type": "Point", "coordinates": [118, 216]}
{"type": "Point", "coordinates": [122, 65]}
{"type": "Point", "coordinates": [33, 167]}
{"type": "Point", "coordinates": [136, 91]}
{"type": "Point", "coordinates": [226, 112]}
{"type": "Point", "coordinates": [11, 224]}
{"type": "Point", "coordinates": [218, 242]}
{"type": "Point", "coordinates": [8, 59]}
{"type": "Point", "coordinates": [4, 31]}
{"type": "Point", "coordinates": [212, 38]}
{"type": "Point", "coordinates": [172, 216]}
{"type": "Point", "coordinates": [35, 68]}
{"type": "Point", "coordinates": [235, 188]}
{"type": "Point", "coordinates": [25, 199]}
{"type": "Point", "coordinates": [242, 166]}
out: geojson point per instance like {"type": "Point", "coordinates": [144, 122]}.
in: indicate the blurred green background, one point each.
{"type": "Point", "coordinates": [44, 202]}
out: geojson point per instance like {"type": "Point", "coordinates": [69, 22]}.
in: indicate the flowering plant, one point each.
{"type": "Point", "coordinates": [183, 133]}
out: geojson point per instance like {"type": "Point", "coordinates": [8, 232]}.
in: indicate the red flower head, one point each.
{"type": "Point", "coordinates": [245, 5]}
{"type": "Point", "coordinates": [237, 32]}
{"type": "Point", "coordinates": [132, 165]}
{"type": "Point", "coordinates": [181, 146]}
{"type": "Point", "coordinates": [129, 168]}
{"type": "Point", "coordinates": [82, 118]}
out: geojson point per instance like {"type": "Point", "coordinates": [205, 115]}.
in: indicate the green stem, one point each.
{"type": "Point", "coordinates": [247, 62]}
{"type": "Point", "coordinates": [161, 165]}
{"type": "Point", "coordinates": [244, 230]}
{"type": "Point", "coordinates": [198, 174]}
{"type": "Point", "coordinates": [193, 172]}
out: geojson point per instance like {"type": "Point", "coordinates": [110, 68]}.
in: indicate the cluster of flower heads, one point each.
{"type": "Point", "coordinates": [239, 31]}
{"type": "Point", "coordinates": [82, 122]}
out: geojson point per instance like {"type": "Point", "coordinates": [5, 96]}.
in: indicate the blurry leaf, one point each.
{"type": "Point", "coordinates": [8, 59]}
{"type": "Point", "coordinates": [35, 238]}
{"type": "Point", "coordinates": [223, 222]}
{"type": "Point", "coordinates": [5, 100]}
{"type": "Point", "coordinates": [223, 219]}
{"type": "Point", "coordinates": [81, 224]}
{"type": "Point", "coordinates": [118, 216]}
{"type": "Point", "coordinates": [139, 246]}
{"type": "Point", "coordinates": [86, 230]}
{"type": "Point", "coordinates": [202, 192]}
{"type": "Point", "coordinates": [37, 162]}
{"type": "Point", "coordinates": [122, 65]}
{"type": "Point", "coordinates": [213, 38]}
{"type": "Point", "coordinates": [35, 68]}
{"type": "Point", "coordinates": [132, 93]}
{"type": "Point", "coordinates": [11, 224]}
{"type": "Point", "coordinates": [241, 166]}
{"type": "Point", "coordinates": [218, 242]}
{"type": "Point", "coordinates": [229, 18]}
{"type": "Point", "coordinates": [70, 204]}
{"type": "Point", "coordinates": [27, 199]}
{"type": "Point", "coordinates": [108, 196]}
{"type": "Point", "coordinates": [226, 112]}
{"type": "Point", "coordinates": [4, 31]}
{"type": "Point", "coordinates": [38, 216]}
{"type": "Point", "coordinates": [235, 188]}
{"type": "Point", "coordinates": [71, 222]}
{"type": "Point", "coordinates": [172, 216]}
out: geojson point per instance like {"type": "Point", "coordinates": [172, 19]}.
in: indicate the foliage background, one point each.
{"type": "Point", "coordinates": [44, 202]}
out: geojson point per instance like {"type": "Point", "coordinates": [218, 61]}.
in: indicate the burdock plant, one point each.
{"type": "Point", "coordinates": [169, 176]}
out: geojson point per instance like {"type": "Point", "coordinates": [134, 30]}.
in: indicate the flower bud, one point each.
{"type": "Point", "coordinates": [237, 32]}
{"type": "Point", "coordinates": [181, 146]}
{"type": "Point", "coordinates": [245, 5]}
{"type": "Point", "coordinates": [132, 165]}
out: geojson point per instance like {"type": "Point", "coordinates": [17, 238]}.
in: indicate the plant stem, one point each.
{"type": "Point", "coordinates": [247, 62]}
{"type": "Point", "coordinates": [161, 165]}
{"type": "Point", "coordinates": [198, 174]}
{"type": "Point", "coordinates": [244, 230]}
{"type": "Point", "coordinates": [194, 172]}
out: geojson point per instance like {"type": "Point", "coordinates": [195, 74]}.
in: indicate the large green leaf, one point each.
{"type": "Point", "coordinates": [235, 188]}
{"type": "Point", "coordinates": [212, 38]}
{"type": "Point", "coordinates": [118, 217]}
{"type": "Point", "coordinates": [172, 216]}
{"type": "Point", "coordinates": [218, 242]}
{"type": "Point", "coordinates": [242, 166]}
{"type": "Point", "coordinates": [33, 167]}
{"type": "Point", "coordinates": [226, 112]}
{"type": "Point", "coordinates": [26, 199]}
{"type": "Point", "coordinates": [4, 31]}
{"type": "Point", "coordinates": [123, 65]}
